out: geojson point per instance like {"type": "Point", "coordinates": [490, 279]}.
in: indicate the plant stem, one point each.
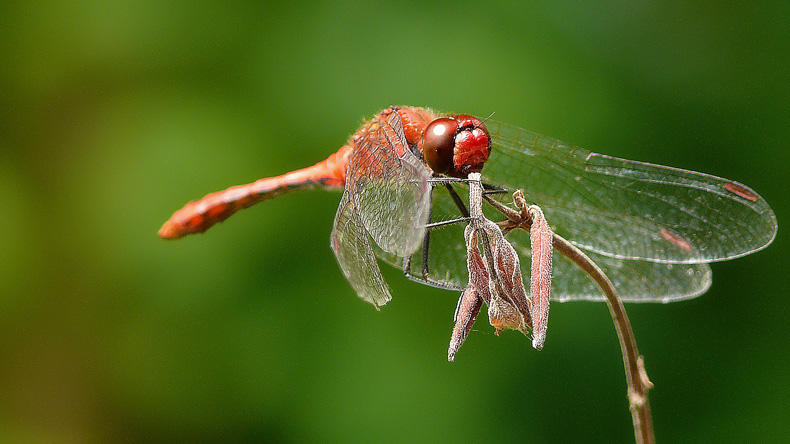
{"type": "Point", "coordinates": [635, 375]}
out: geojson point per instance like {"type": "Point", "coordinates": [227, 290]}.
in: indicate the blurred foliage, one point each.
{"type": "Point", "coordinates": [115, 114]}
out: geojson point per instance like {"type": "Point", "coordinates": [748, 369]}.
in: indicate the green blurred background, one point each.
{"type": "Point", "coordinates": [114, 115]}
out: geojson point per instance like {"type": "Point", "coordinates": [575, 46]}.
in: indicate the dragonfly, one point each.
{"type": "Point", "coordinates": [652, 229]}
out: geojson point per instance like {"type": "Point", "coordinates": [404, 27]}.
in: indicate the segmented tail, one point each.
{"type": "Point", "coordinates": [200, 215]}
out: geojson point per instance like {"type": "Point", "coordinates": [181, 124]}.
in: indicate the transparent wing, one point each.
{"type": "Point", "coordinates": [389, 186]}
{"type": "Point", "coordinates": [354, 253]}
{"type": "Point", "coordinates": [626, 209]}
{"type": "Point", "coordinates": [387, 198]}
{"type": "Point", "coordinates": [635, 280]}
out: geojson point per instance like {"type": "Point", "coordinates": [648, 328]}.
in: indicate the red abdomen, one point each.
{"type": "Point", "coordinates": [198, 216]}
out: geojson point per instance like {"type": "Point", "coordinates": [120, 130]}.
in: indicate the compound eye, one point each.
{"type": "Point", "coordinates": [438, 143]}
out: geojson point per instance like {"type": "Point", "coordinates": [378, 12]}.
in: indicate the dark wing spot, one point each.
{"type": "Point", "coordinates": [676, 240]}
{"type": "Point", "coordinates": [741, 191]}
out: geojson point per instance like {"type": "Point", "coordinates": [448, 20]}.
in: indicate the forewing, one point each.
{"type": "Point", "coordinates": [354, 253]}
{"type": "Point", "coordinates": [389, 186]}
{"type": "Point", "coordinates": [627, 209]}
{"type": "Point", "coordinates": [635, 280]}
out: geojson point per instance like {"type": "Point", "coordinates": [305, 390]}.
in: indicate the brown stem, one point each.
{"type": "Point", "coordinates": [635, 375]}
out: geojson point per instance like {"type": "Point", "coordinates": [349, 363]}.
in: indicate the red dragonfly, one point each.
{"type": "Point", "coordinates": [652, 229]}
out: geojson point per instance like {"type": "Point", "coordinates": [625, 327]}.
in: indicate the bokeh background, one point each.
{"type": "Point", "coordinates": [115, 114]}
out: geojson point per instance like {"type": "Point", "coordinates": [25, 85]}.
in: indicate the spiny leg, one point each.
{"type": "Point", "coordinates": [457, 199]}
{"type": "Point", "coordinates": [426, 241]}
{"type": "Point", "coordinates": [424, 277]}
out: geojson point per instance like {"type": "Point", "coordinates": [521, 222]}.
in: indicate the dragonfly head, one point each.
{"type": "Point", "coordinates": [456, 145]}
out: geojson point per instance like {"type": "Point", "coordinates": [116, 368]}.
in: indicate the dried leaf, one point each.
{"type": "Point", "coordinates": [540, 238]}
{"type": "Point", "coordinates": [472, 297]}
{"type": "Point", "coordinates": [509, 307]}
{"type": "Point", "coordinates": [494, 277]}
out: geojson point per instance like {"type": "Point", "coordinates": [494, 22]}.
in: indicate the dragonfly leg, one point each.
{"type": "Point", "coordinates": [493, 189]}
{"type": "Point", "coordinates": [424, 277]}
{"type": "Point", "coordinates": [426, 241]}
{"type": "Point", "coordinates": [424, 274]}
{"type": "Point", "coordinates": [457, 199]}
{"type": "Point", "coordinates": [488, 190]}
